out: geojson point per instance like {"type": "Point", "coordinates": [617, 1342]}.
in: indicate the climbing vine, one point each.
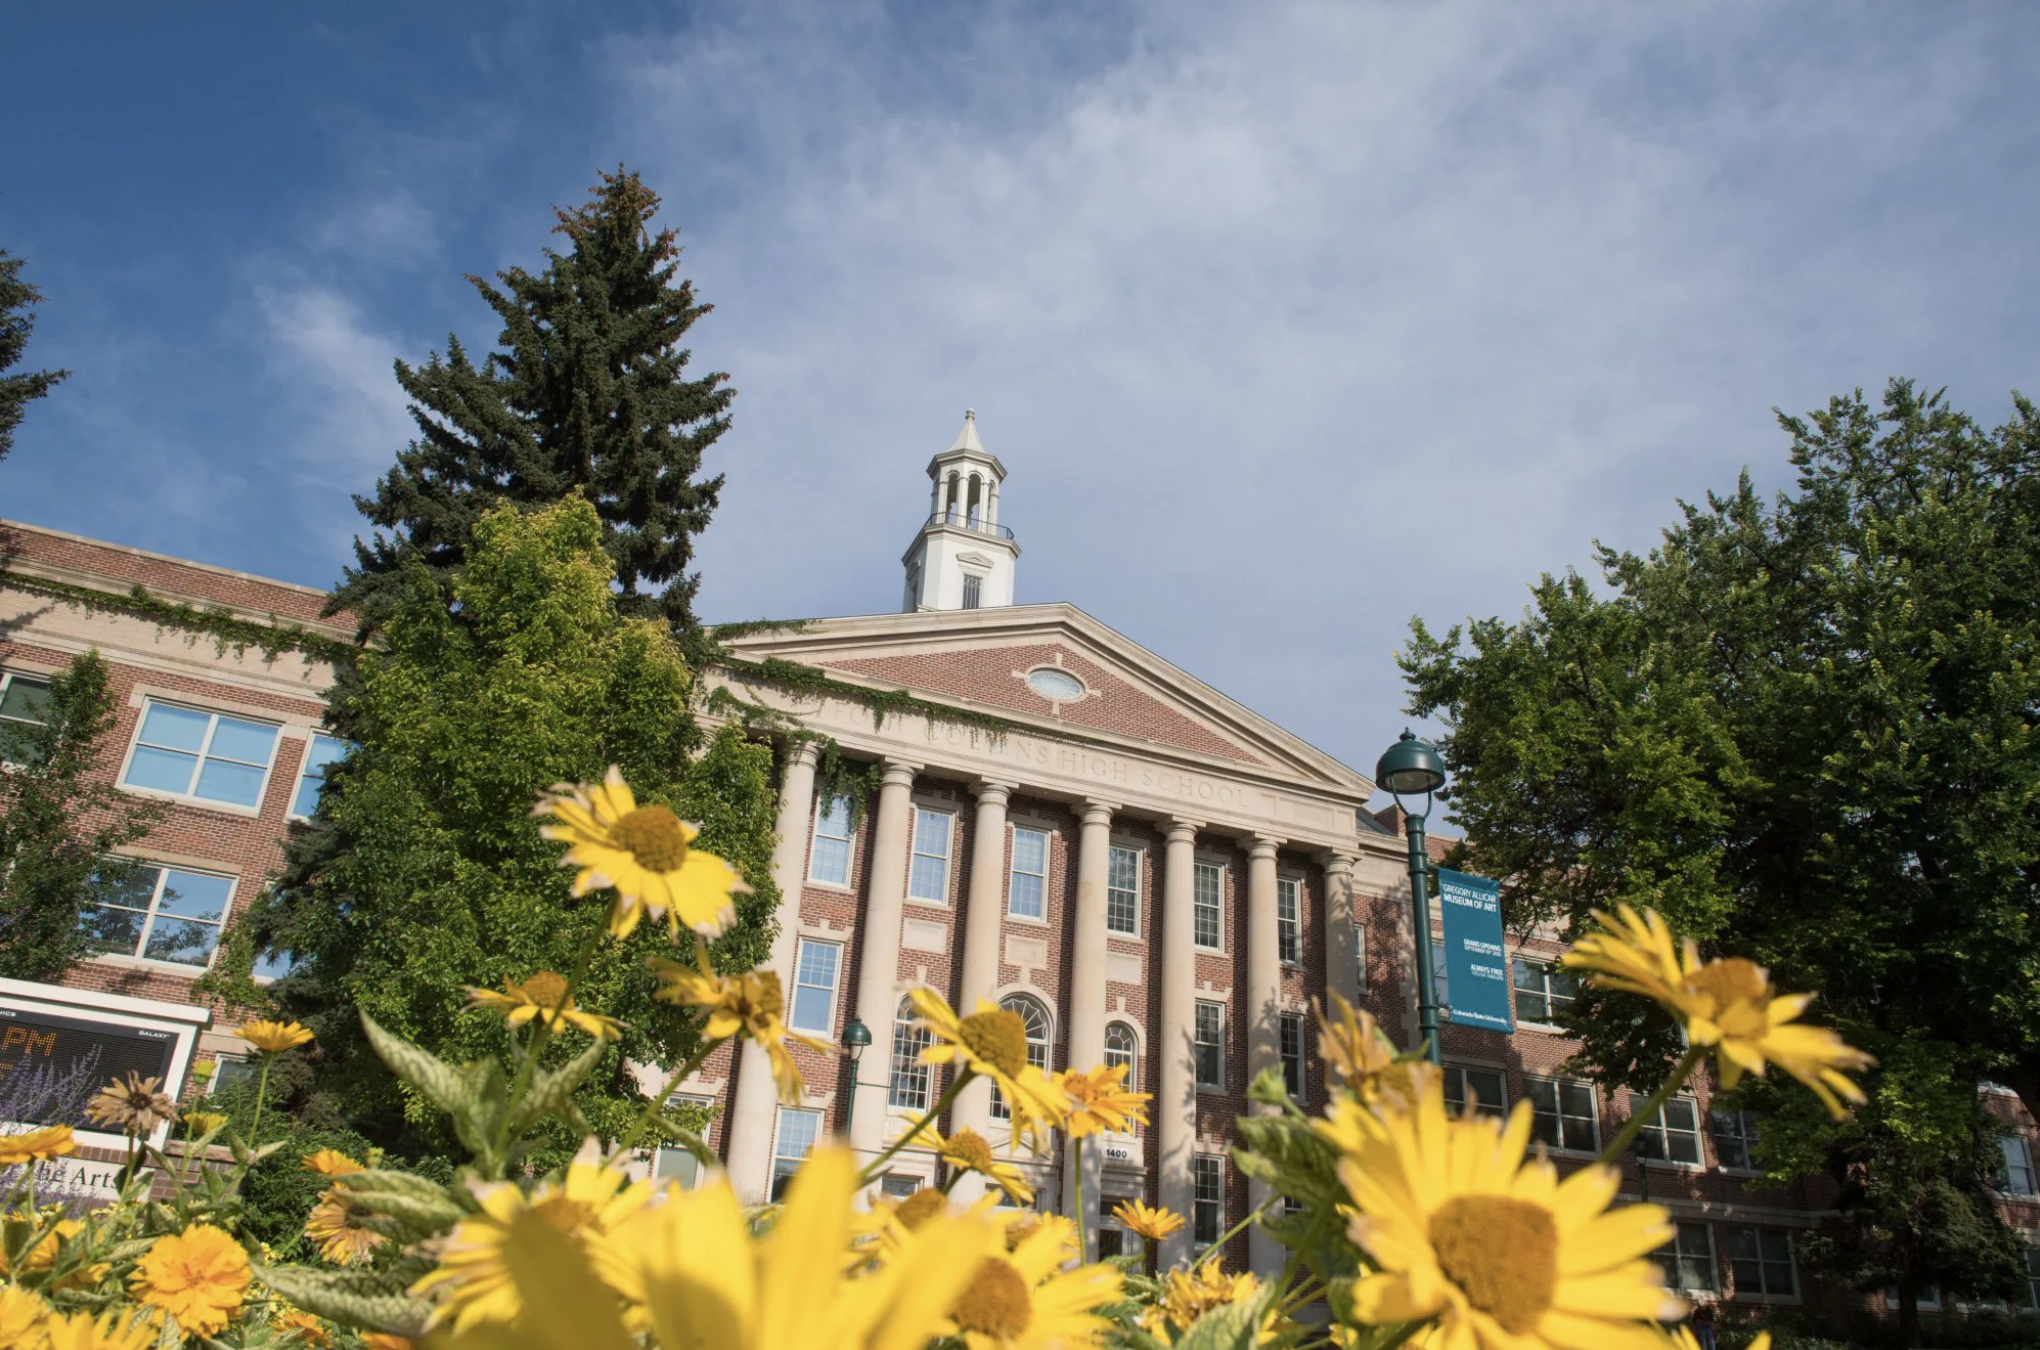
{"type": "Point", "coordinates": [229, 631]}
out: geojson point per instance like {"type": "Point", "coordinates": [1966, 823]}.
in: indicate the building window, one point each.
{"type": "Point", "coordinates": [1210, 1045]}
{"type": "Point", "coordinates": [1207, 1216]}
{"type": "Point", "coordinates": [1207, 899]}
{"type": "Point", "coordinates": [973, 590]}
{"type": "Point", "coordinates": [1027, 888]}
{"type": "Point", "coordinates": [1289, 920]}
{"type": "Point", "coordinates": [909, 1075]}
{"type": "Point", "coordinates": [1673, 1134]}
{"type": "Point", "coordinates": [231, 1070]}
{"type": "Point", "coordinates": [900, 1185]}
{"type": "Point", "coordinates": [1122, 891]}
{"type": "Point", "coordinates": [1489, 1096]}
{"type": "Point", "coordinates": [830, 863]}
{"type": "Point", "coordinates": [1688, 1259]}
{"type": "Point", "coordinates": [929, 878]}
{"type": "Point", "coordinates": [2016, 1177]}
{"type": "Point", "coordinates": [1563, 1114]}
{"type": "Point", "coordinates": [1289, 1030]}
{"type": "Point", "coordinates": [2032, 1301]}
{"type": "Point", "coordinates": [1543, 991]}
{"type": "Point", "coordinates": [1035, 1019]}
{"type": "Point", "coordinates": [676, 1164]}
{"type": "Point", "coordinates": [24, 709]}
{"type": "Point", "coordinates": [815, 966]}
{"type": "Point", "coordinates": [791, 1144]}
{"type": "Point", "coordinates": [1121, 1047]}
{"type": "Point", "coordinates": [1762, 1261]}
{"type": "Point", "coordinates": [158, 913]}
{"type": "Point", "coordinates": [323, 750]}
{"type": "Point", "coordinates": [1735, 1138]}
{"type": "Point", "coordinates": [206, 756]}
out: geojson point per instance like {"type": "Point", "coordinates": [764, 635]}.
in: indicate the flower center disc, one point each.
{"type": "Point", "coordinates": [654, 836]}
{"type": "Point", "coordinates": [999, 1038]}
{"type": "Point", "coordinates": [568, 1216]}
{"type": "Point", "coordinates": [920, 1207]}
{"type": "Point", "coordinates": [996, 1303]}
{"type": "Point", "coordinates": [969, 1149]}
{"type": "Point", "coordinates": [1503, 1255]}
{"type": "Point", "coordinates": [1731, 980]}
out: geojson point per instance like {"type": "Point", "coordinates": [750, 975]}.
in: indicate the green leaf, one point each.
{"type": "Point", "coordinates": [1233, 1327]}
{"type": "Point", "coordinates": [363, 1300]}
{"type": "Point", "coordinates": [552, 1091]}
{"type": "Point", "coordinates": [441, 1083]}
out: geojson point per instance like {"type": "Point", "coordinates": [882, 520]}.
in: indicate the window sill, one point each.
{"type": "Point", "coordinates": [196, 803]}
{"type": "Point", "coordinates": [840, 887]}
{"type": "Point", "coordinates": [1207, 951]}
{"type": "Point", "coordinates": [1541, 1028]}
{"type": "Point", "coordinates": [1779, 1300]}
{"type": "Point", "coordinates": [929, 904]}
{"type": "Point", "coordinates": [1113, 934]}
{"type": "Point", "coordinates": [1671, 1165]}
{"type": "Point", "coordinates": [145, 963]}
{"type": "Point", "coordinates": [1027, 919]}
{"type": "Point", "coordinates": [1740, 1173]}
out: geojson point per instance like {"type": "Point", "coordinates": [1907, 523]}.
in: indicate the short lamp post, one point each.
{"type": "Point", "coordinates": [856, 1040]}
{"type": "Point", "coordinates": [1414, 766]}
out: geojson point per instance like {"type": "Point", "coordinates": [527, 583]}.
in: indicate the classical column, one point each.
{"type": "Point", "coordinates": [1175, 1039]}
{"type": "Point", "coordinates": [983, 919]}
{"type": "Point", "coordinates": [1087, 991]}
{"type": "Point", "coordinates": [1342, 948]}
{"type": "Point", "coordinates": [878, 966]}
{"type": "Point", "coordinates": [1264, 1036]}
{"type": "Point", "coordinates": [751, 1109]}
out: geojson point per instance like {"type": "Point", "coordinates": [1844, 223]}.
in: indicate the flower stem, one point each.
{"type": "Point", "coordinates": [1077, 1161]}
{"type": "Point", "coordinates": [956, 1085]}
{"type": "Point", "coordinates": [261, 1096]}
{"type": "Point", "coordinates": [657, 1104]}
{"type": "Point", "coordinates": [1219, 1246]}
{"type": "Point", "coordinates": [1624, 1137]}
{"type": "Point", "coordinates": [541, 1032]}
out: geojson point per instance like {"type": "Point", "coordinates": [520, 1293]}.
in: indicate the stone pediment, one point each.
{"type": "Point", "coordinates": [1088, 682]}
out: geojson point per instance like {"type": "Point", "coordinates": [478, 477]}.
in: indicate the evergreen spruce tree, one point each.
{"type": "Point", "coordinates": [587, 391]}
{"type": "Point", "coordinates": [17, 320]}
{"type": "Point", "coordinates": [423, 874]}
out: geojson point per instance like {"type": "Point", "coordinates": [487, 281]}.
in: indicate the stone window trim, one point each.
{"type": "Point", "coordinates": [847, 886]}
{"type": "Point", "coordinates": [941, 807]}
{"type": "Point", "coordinates": [295, 726]}
{"type": "Point", "coordinates": [189, 797]}
{"type": "Point", "coordinates": [1223, 869]}
{"type": "Point", "coordinates": [1140, 875]}
{"type": "Point", "coordinates": [1047, 873]}
{"type": "Point", "coordinates": [165, 864]}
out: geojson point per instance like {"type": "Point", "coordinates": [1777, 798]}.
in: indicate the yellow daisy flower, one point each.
{"type": "Point", "coordinates": [1681, 1338]}
{"type": "Point", "coordinates": [383, 1340]}
{"type": "Point", "coordinates": [23, 1316]}
{"type": "Point", "coordinates": [644, 853]}
{"type": "Point", "coordinates": [1189, 1294]}
{"type": "Point", "coordinates": [1352, 1042]}
{"type": "Point", "coordinates": [1463, 1229]}
{"type": "Point", "coordinates": [751, 1005]}
{"type": "Point", "coordinates": [273, 1038]}
{"type": "Point", "coordinates": [1100, 1102]}
{"type": "Point", "coordinates": [1151, 1225]}
{"type": "Point", "coordinates": [203, 1123]}
{"type": "Point", "coordinates": [334, 1229]}
{"type": "Point", "coordinates": [331, 1162]}
{"type": "Point", "coordinates": [55, 1248]}
{"type": "Point", "coordinates": [1025, 1300]}
{"type": "Point", "coordinates": [36, 1145]}
{"type": "Point", "coordinates": [1025, 1227]}
{"type": "Point", "coordinates": [304, 1327]}
{"type": "Point", "coordinates": [993, 1042]}
{"type": "Point", "coordinates": [968, 1151]}
{"type": "Point", "coordinates": [1727, 1004]}
{"type": "Point", "coordinates": [198, 1276]}
{"type": "Point", "coordinates": [81, 1331]}
{"type": "Point", "coordinates": [473, 1283]}
{"type": "Point", "coordinates": [544, 995]}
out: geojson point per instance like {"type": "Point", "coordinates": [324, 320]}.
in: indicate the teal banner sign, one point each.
{"type": "Point", "coordinates": [1476, 969]}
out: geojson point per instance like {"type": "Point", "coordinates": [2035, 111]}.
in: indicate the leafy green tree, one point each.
{"type": "Point", "coordinates": [17, 320]}
{"type": "Point", "coordinates": [587, 390]}
{"type": "Point", "coordinates": [424, 875]}
{"type": "Point", "coordinates": [59, 820]}
{"type": "Point", "coordinates": [1804, 730]}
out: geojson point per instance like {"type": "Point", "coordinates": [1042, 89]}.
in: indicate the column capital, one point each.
{"type": "Point", "coordinates": [900, 773]}
{"type": "Point", "coordinates": [988, 790]}
{"type": "Point", "coordinates": [1337, 864]}
{"type": "Point", "coordinates": [1181, 830]}
{"type": "Point", "coordinates": [1094, 812]}
{"type": "Point", "coordinates": [1264, 846]}
{"type": "Point", "coordinates": [802, 752]}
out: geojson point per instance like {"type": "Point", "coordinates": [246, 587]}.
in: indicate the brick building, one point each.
{"type": "Point", "coordinates": [1067, 824]}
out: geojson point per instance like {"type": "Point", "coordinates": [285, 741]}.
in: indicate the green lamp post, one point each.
{"type": "Point", "coordinates": [1413, 766]}
{"type": "Point", "coordinates": [856, 1040]}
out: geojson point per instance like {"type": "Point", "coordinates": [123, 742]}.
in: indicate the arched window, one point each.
{"type": "Point", "coordinates": [1122, 1048]}
{"type": "Point", "coordinates": [1035, 1018]}
{"type": "Point", "coordinates": [910, 1077]}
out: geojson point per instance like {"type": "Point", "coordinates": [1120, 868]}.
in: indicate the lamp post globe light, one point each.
{"type": "Point", "coordinates": [856, 1040]}
{"type": "Point", "coordinates": [1413, 766]}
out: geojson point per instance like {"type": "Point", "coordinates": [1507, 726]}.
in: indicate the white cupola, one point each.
{"type": "Point", "coordinates": [963, 557]}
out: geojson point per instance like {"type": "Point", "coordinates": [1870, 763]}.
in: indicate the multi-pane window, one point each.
{"type": "Point", "coordinates": [1122, 891]}
{"type": "Point", "coordinates": [815, 969]}
{"type": "Point", "coordinates": [24, 710]}
{"type": "Point", "coordinates": [207, 756]}
{"type": "Point", "coordinates": [1207, 1210]}
{"type": "Point", "coordinates": [1034, 1018]}
{"type": "Point", "coordinates": [830, 862]}
{"type": "Point", "coordinates": [973, 590]}
{"type": "Point", "coordinates": [1210, 1044]}
{"type": "Point", "coordinates": [2016, 1177]}
{"type": "Point", "coordinates": [1688, 1259]}
{"type": "Point", "coordinates": [160, 913]}
{"type": "Point", "coordinates": [1762, 1261]}
{"type": "Point", "coordinates": [1483, 1086]}
{"type": "Point", "coordinates": [1207, 902]}
{"type": "Point", "coordinates": [1289, 1032]}
{"type": "Point", "coordinates": [910, 1076]}
{"type": "Point", "coordinates": [1027, 891]}
{"type": "Point", "coordinates": [1289, 920]}
{"type": "Point", "coordinates": [1673, 1134]}
{"type": "Point", "coordinates": [1122, 1047]}
{"type": "Point", "coordinates": [791, 1144]}
{"type": "Point", "coordinates": [2032, 1300]}
{"type": "Point", "coordinates": [899, 1185]}
{"type": "Point", "coordinates": [928, 878]}
{"type": "Point", "coordinates": [1543, 991]}
{"type": "Point", "coordinates": [1735, 1138]}
{"type": "Point", "coordinates": [323, 751]}
{"type": "Point", "coordinates": [1563, 1114]}
{"type": "Point", "coordinates": [677, 1164]}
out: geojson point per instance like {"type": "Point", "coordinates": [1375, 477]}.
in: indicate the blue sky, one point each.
{"type": "Point", "coordinates": [1288, 320]}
